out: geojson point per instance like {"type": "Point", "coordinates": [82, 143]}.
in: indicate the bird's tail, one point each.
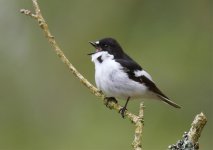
{"type": "Point", "coordinates": [168, 101]}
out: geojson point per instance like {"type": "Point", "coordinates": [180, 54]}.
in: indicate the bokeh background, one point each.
{"type": "Point", "coordinates": [44, 107]}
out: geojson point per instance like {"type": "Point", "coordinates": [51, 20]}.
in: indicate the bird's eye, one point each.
{"type": "Point", "coordinates": [105, 45]}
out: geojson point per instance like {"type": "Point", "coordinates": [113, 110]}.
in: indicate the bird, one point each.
{"type": "Point", "coordinates": [117, 75]}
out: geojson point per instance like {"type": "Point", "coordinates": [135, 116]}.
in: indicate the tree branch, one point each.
{"type": "Point", "coordinates": [197, 127]}
{"type": "Point", "coordinates": [139, 129]}
{"type": "Point", "coordinates": [137, 120]}
{"type": "Point", "coordinates": [190, 139]}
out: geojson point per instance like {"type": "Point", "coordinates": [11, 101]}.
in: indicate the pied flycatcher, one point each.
{"type": "Point", "coordinates": [119, 76]}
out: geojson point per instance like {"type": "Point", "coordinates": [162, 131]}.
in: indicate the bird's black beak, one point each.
{"type": "Point", "coordinates": [93, 44]}
{"type": "Point", "coordinates": [96, 47]}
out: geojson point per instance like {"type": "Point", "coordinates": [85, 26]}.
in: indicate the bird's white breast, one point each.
{"type": "Point", "coordinates": [113, 81]}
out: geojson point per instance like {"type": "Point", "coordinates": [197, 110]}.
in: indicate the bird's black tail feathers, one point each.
{"type": "Point", "coordinates": [166, 100]}
{"type": "Point", "coordinates": [152, 87]}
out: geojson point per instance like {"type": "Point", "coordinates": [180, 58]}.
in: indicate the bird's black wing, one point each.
{"type": "Point", "coordinates": [152, 87]}
{"type": "Point", "coordinates": [130, 66]}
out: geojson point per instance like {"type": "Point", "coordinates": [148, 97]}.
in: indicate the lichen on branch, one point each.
{"type": "Point", "coordinates": [190, 139]}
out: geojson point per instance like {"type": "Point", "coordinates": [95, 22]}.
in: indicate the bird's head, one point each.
{"type": "Point", "coordinates": [109, 45]}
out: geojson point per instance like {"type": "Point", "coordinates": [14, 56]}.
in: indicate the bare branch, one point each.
{"type": "Point", "coordinates": [137, 120]}
{"type": "Point", "coordinates": [29, 13]}
{"type": "Point", "coordinates": [139, 129]}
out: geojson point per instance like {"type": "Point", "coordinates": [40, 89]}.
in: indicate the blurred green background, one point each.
{"type": "Point", "coordinates": [44, 107]}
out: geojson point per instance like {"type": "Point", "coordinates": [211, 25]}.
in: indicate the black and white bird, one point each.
{"type": "Point", "coordinates": [119, 76]}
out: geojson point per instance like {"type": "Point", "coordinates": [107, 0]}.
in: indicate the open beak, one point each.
{"type": "Point", "coordinates": [93, 44]}
{"type": "Point", "coordinates": [96, 47]}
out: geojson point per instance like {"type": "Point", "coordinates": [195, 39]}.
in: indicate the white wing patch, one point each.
{"type": "Point", "coordinates": [97, 42]}
{"type": "Point", "coordinates": [139, 73]}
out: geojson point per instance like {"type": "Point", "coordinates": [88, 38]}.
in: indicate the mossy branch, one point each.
{"type": "Point", "coordinates": [137, 120]}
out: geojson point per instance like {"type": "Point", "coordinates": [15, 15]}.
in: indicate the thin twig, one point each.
{"type": "Point", "coordinates": [43, 25]}
{"type": "Point", "coordinates": [139, 129]}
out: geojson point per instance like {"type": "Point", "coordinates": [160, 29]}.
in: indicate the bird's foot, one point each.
{"type": "Point", "coordinates": [108, 100]}
{"type": "Point", "coordinates": [122, 111]}
{"type": "Point", "coordinates": [100, 91]}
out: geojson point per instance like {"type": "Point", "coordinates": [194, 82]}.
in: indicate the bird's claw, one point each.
{"type": "Point", "coordinates": [122, 111]}
{"type": "Point", "coordinates": [100, 92]}
{"type": "Point", "coordinates": [110, 99]}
